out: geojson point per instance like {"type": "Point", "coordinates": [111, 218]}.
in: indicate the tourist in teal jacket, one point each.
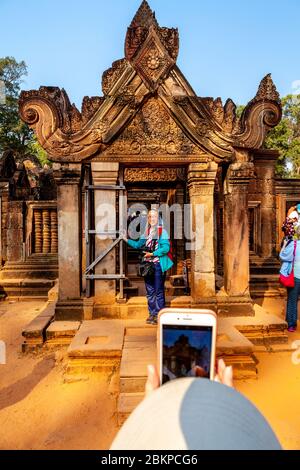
{"type": "Point", "coordinates": [157, 249]}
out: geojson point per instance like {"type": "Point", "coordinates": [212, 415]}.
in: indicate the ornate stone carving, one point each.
{"type": "Point", "coordinates": [198, 189]}
{"type": "Point", "coordinates": [151, 174]}
{"type": "Point", "coordinates": [202, 179]}
{"type": "Point", "coordinates": [170, 38]}
{"type": "Point", "coordinates": [152, 131]}
{"type": "Point", "coordinates": [110, 76]}
{"type": "Point", "coordinates": [152, 62]}
{"type": "Point", "coordinates": [261, 114]}
{"type": "Point", "coordinates": [139, 30]}
{"type": "Point", "coordinates": [267, 90]}
{"type": "Point", "coordinates": [90, 106]}
{"type": "Point", "coordinates": [229, 120]}
{"type": "Point", "coordinates": [116, 122]}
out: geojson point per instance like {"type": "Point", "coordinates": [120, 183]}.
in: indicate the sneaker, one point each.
{"type": "Point", "coordinates": [292, 329]}
{"type": "Point", "coordinates": [149, 320]}
{"type": "Point", "coordinates": [154, 320]}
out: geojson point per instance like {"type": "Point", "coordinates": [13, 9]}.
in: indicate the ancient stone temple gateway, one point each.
{"type": "Point", "coordinates": [151, 138]}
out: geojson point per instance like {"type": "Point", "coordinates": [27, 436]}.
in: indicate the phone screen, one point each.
{"type": "Point", "coordinates": [186, 351]}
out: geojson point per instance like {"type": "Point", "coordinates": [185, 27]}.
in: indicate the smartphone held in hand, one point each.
{"type": "Point", "coordinates": [186, 343]}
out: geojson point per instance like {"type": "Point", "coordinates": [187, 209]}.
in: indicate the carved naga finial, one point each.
{"type": "Point", "coordinates": [260, 115]}
{"type": "Point", "coordinates": [267, 90]}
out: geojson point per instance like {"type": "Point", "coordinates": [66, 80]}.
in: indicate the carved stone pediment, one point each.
{"type": "Point", "coordinates": [152, 131]}
{"type": "Point", "coordinates": [148, 76]}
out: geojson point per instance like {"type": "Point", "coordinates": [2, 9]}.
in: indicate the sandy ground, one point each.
{"type": "Point", "coordinates": [39, 411]}
{"type": "Point", "coordinates": [276, 393]}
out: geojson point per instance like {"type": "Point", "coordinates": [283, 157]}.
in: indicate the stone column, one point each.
{"type": "Point", "coordinates": [67, 177]}
{"type": "Point", "coordinates": [265, 170]}
{"type": "Point", "coordinates": [201, 182]}
{"type": "Point", "coordinates": [15, 229]}
{"type": "Point", "coordinates": [236, 236]}
{"type": "Point", "coordinates": [105, 174]}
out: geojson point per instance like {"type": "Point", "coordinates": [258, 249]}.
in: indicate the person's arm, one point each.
{"type": "Point", "coordinates": [164, 243]}
{"type": "Point", "coordinates": [136, 244]}
{"type": "Point", "coordinates": [287, 252]}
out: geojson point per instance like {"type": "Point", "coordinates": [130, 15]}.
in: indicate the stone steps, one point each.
{"type": "Point", "coordinates": [35, 332]}
{"type": "Point", "coordinates": [96, 347]}
{"type": "Point", "coordinates": [130, 345]}
{"type": "Point", "coordinates": [264, 329]}
{"type": "Point", "coordinates": [257, 266]}
{"type": "Point", "coordinates": [173, 290]}
{"type": "Point", "coordinates": [139, 349]}
{"type": "Point", "coordinates": [41, 267]}
{"type": "Point", "coordinates": [26, 288]}
{"type": "Point", "coordinates": [61, 333]}
{"type": "Point", "coordinates": [265, 285]}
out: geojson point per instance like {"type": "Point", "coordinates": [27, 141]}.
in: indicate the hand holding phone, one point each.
{"type": "Point", "coordinates": [224, 375]}
{"type": "Point", "coordinates": [186, 343]}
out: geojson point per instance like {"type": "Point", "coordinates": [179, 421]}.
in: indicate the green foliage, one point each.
{"type": "Point", "coordinates": [14, 133]}
{"type": "Point", "coordinates": [286, 138]}
{"type": "Point", "coordinates": [239, 110]}
{"type": "Point", "coordinates": [34, 148]}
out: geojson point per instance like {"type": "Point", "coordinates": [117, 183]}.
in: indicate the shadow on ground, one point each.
{"type": "Point", "coordinates": [20, 389]}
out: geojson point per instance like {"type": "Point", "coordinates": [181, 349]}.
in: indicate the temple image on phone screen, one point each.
{"type": "Point", "coordinates": [186, 351]}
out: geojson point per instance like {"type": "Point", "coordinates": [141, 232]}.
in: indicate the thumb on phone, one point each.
{"type": "Point", "coordinates": [152, 380]}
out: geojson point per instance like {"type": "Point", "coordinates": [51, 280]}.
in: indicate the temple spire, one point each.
{"type": "Point", "coordinates": [144, 17]}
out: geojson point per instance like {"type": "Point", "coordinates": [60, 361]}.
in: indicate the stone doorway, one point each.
{"type": "Point", "coordinates": [110, 267]}
{"type": "Point", "coordinates": [160, 188]}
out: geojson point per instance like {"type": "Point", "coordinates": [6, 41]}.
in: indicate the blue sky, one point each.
{"type": "Point", "coordinates": [196, 338]}
{"type": "Point", "coordinates": [226, 46]}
